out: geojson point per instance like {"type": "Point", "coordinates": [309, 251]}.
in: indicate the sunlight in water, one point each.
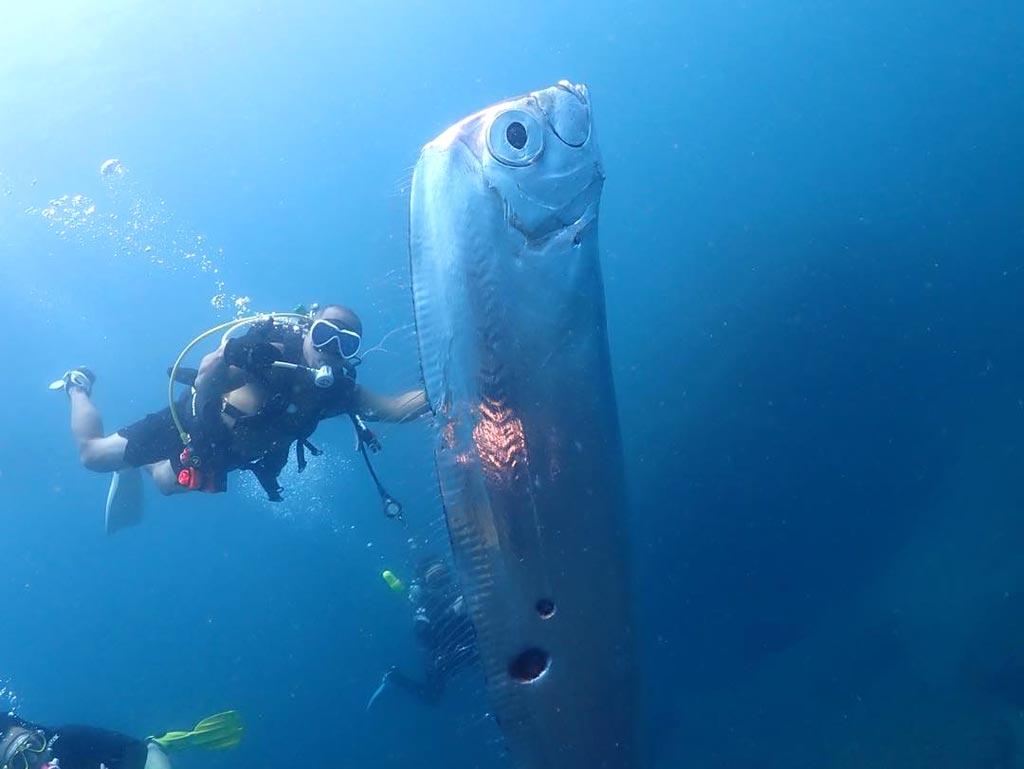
{"type": "Point", "coordinates": [500, 442]}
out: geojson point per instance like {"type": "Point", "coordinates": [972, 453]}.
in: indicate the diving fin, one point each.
{"type": "Point", "coordinates": [124, 500]}
{"type": "Point", "coordinates": [220, 731]}
{"type": "Point", "coordinates": [380, 688]}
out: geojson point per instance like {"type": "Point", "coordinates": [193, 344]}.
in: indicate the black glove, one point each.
{"type": "Point", "coordinates": [250, 354]}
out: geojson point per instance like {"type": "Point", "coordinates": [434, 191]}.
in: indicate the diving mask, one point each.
{"type": "Point", "coordinates": [325, 333]}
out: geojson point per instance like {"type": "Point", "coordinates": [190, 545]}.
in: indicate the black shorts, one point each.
{"type": "Point", "coordinates": [153, 438]}
{"type": "Point", "coordinates": [87, 746]}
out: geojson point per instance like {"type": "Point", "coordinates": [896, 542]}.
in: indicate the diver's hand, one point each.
{"type": "Point", "coordinates": [249, 354]}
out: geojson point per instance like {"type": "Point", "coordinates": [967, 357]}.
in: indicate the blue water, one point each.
{"type": "Point", "coordinates": [813, 248]}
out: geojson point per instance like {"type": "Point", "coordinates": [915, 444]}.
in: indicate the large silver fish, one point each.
{"type": "Point", "coordinates": [510, 319]}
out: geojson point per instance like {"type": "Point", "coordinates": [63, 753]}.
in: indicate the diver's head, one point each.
{"type": "Point", "coordinates": [433, 573]}
{"type": "Point", "coordinates": [22, 748]}
{"type": "Point", "coordinates": [333, 338]}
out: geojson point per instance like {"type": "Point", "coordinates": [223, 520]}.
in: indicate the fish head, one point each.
{"type": "Point", "coordinates": [538, 154]}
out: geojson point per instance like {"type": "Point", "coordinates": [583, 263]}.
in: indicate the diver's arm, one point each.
{"type": "Point", "coordinates": [428, 692]}
{"type": "Point", "coordinates": [229, 366]}
{"type": "Point", "coordinates": [390, 408]}
{"type": "Point", "coordinates": [216, 377]}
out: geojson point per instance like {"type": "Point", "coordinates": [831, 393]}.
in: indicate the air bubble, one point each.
{"type": "Point", "coordinates": [112, 167]}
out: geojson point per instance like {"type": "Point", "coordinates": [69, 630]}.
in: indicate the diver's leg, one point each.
{"type": "Point", "coordinates": [433, 688]}
{"type": "Point", "coordinates": [164, 477]}
{"type": "Point", "coordinates": [86, 422]}
{"type": "Point", "coordinates": [156, 758]}
{"type": "Point", "coordinates": [102, 454]}
{"type": "Point", "coordinates": [417, 689]}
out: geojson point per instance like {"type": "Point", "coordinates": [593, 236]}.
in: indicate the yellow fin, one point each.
{"type": "Point", "coordinates": [220, 731]}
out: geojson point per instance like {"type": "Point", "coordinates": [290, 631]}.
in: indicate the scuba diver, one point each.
{"type": "Point", "coordinates": [442, 629]}
{"type": "Point", "coordinates": [247, 403]}
{"type": "Point", "coordinates": [24, 745]}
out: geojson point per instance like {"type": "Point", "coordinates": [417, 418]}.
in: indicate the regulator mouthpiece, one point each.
{"type": "Point", "coordinates": [323, 377]}
{"type": "Point", "coordinates": [392, 507]}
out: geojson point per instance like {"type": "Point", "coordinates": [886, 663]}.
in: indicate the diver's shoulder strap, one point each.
{"type": "Point", "coordinates": [289, 336]}
{"type": "Point", "coordinates": [267, 468]}
{"type": "Point", "coordinates": [301, 446]}
{"type": "Point", "coordinates": [185, 376]}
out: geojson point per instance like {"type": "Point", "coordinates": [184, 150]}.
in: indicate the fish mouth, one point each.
{"type": "Point", "coordinates": [567, 107]}
{"type": "Point", "coordinates": [549, 221]}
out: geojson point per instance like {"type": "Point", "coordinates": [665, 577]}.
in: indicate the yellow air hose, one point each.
{"type": "Point", "coordinates": [227, 328]}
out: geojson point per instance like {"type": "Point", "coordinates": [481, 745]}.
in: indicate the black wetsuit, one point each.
{"type": "Point", "coordinates": [84, 747]}
{"type": "Point", "coordinates": [155, 437]}
{"type": "Point", "coordinates": [446, 634]}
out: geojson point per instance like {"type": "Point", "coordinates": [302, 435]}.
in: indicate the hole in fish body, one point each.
{"type": "Point", "coordinates": [529, 665]}
{"type": "Point", "coordinates": [545, 608]}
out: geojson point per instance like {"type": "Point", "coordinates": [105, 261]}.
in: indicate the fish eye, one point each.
{"type": "Point", "coordinates": [516, 135]}
{"type": "Point", "coordinates": [515, 138]}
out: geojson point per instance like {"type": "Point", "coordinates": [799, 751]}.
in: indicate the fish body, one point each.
{"type": "Point", "coordinates": [510, 318]}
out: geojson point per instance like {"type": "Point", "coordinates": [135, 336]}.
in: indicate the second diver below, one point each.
{"type": "Point", "coordinates": [443, 632]}
{"type": "Point", "coordinates": [249, 401]}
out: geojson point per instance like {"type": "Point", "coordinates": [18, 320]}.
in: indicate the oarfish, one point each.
{"type": "Point", "coordinates": [510, 320]}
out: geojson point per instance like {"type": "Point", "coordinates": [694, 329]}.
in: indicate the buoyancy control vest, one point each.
{"type": "Point", "coordinates": [214, 441]}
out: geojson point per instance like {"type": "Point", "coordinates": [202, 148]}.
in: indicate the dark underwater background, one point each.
{"type": "Point", "coordinates": [813, 246]}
